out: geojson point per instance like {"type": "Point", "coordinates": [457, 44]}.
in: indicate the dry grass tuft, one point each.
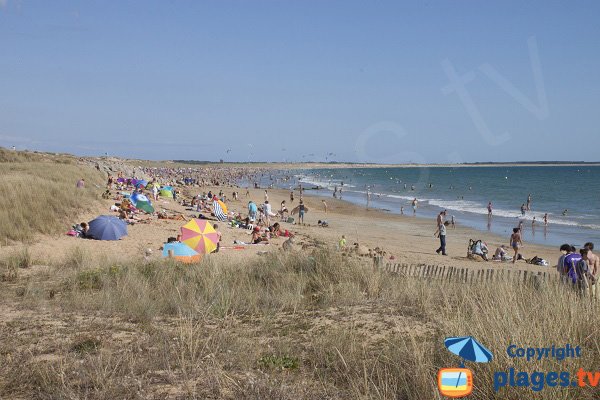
{"type": "Point", "coordinates": [282, 326]}
{"type": "Point", "coordinates": [39, 193]}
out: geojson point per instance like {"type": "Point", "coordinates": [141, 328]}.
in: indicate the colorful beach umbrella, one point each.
{"type": "Point", "coordinates": [181, 252]}
{"type": "Point", "coordinates": [107, 227]}
{"type": "Point", "coordinates": [200, 235]}
{"type": "Point", "coordinates": [137, 197]}
{"type": "Point", "coordinates": [145, 206]}
{"type": "Point", "coordinates": [141, 183]}
{"type": "Point", "coordinates": [218, 210]}
{"type": "Point", "coordinates": [468, 348]}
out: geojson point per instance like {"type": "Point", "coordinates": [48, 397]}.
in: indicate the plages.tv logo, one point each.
{"type": "Point", "coordinates": [458, 382]}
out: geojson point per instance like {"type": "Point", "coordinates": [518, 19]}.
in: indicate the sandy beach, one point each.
{"type": "Point", "coordinates": [405, 238]}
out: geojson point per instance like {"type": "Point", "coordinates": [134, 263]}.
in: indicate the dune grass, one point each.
{"type": "Point", "coordinates": [39, 193]}
{"type": "Point", "coordinates": [254, 330]}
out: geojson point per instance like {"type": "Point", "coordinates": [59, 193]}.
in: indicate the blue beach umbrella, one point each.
{"type": "Point", "coordinates": [107, 227]}
{"type": "Point", "coordinates": [468, 348]}
{"type": "Point", "coordinates": [181, 252]}
{"type": "Point", "coordinates": [143, 183]}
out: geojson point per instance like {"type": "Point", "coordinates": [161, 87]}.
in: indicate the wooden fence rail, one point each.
{"type": "Point", "coordinates": [466, 275]}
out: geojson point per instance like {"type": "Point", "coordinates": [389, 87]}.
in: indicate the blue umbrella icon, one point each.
{"type": "Point", "coordinates": [469, 349]}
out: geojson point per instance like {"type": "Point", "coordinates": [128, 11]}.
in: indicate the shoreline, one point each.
{"type": "Point", "coordinates": [408, 239]}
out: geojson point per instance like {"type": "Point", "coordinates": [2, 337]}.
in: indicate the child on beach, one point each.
{"type": "Point", "coordinates": [342, 243]}
{"type": "Point", "coordinates": [324, 206]}
{"type": "Point", "coordinates": [219, 235]}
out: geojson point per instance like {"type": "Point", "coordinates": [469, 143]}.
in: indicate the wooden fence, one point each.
{"type": "Point", "coordinates": [467, 275]}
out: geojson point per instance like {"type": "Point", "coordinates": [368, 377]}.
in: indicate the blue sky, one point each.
{"type": "Point", "coordinates": [302, 80]}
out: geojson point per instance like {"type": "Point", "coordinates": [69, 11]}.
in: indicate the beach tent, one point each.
{"type": "Point", "coordinates": [200, 235]}
{"type": "Point", "coordinates": [181, 252]}
{"type": "Point", "coordinates": [107, 227]}
{"type": "Point", "coordinates": [142, 183]}
{"type": "Point", "coordinates": [166, 193]}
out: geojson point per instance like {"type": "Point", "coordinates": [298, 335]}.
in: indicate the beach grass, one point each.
{"type": "Point", "coordinates": [39, 193]}
{"type": "Point", "coordinates": [284, 326]}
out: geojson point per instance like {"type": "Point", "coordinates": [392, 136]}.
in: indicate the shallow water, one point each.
{"type": "Point", "coordinates": [465, 193]}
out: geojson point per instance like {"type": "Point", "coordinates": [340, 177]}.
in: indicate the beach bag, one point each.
{"type": "Point", "coordinates": [290, 220]}
{"type": "Point", "coordinates": [538, 261]}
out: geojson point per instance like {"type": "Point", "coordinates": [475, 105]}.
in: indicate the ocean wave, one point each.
{"type": "Point", "coordinates": [331, 185]}
{"type": "Point", "coordinates": [460, 206]}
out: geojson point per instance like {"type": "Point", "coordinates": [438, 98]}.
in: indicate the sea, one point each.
{"type": "Point", "coordinates": [570, 195]}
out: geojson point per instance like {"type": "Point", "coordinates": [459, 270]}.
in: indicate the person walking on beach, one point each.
{"type": "Point", "coordinates": [516, 242]}
{"type": "Point", "coordinates": [441, 233]}
{"type": "Point", "coordinates": [301, 210]}
{"type": "Point", "coordinates": [489, 208]}
{"type": "Point", "coordinates": [415, 204]}
{"type": "Point", "coordinates": [523, 209]}
{"type": "Point", "coordinates": [324, 206]}
{"type": "Point", "coordinates": [401, 210]}
{"type": "Point", "coordinates": [529, 202]}
{"type": "Point", "coordinates": [368, 197]}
